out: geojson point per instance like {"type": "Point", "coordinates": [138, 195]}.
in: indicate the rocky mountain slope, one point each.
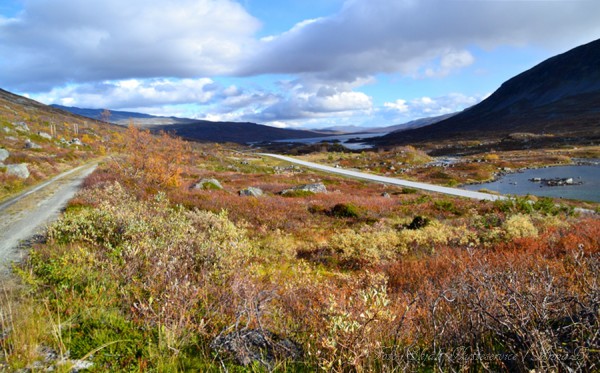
{"type": "Point", "coordinates": [560, 97]}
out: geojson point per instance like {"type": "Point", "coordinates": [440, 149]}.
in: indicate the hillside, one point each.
{"type": "Point", "coordinates": [558, 97]}
{"type": "Point", "coordinates": [198, 130]}
{"type": "Point", "coordinates": [39, 141]}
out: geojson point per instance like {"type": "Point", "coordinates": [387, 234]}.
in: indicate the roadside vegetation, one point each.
{"type": "Point", "coordinates": [145, 272]}
{"type": "Point", "coordinates": [45, 142]}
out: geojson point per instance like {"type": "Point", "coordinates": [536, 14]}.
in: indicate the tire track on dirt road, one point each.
{"type": "Point", "coordinates": [28, 214]}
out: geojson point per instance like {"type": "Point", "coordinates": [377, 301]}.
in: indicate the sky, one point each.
{"type": "Point", "coordinates": [285, 63]}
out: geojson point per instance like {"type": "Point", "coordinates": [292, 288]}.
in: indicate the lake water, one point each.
{"type": "Point", "coordinates": [519, 184]}
{"type": "Point", "coordinates": [341, 138]}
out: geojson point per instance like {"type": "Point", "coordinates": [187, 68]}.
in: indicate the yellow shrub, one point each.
{"type": "Point", "coordinates": [369, 245]}
{"type": "Point", "coordinates": [519, 226]}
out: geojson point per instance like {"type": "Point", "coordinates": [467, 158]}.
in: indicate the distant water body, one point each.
{"type": "Point", "coordinates": [520, 184]}
{"type": "Point", "coordinates": [342, 139]}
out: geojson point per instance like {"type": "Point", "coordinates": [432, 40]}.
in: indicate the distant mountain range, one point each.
{"type": "Point", "coordinates": [397, 127]}
{"type": "Point", "coordinates": [240, 132]}
{"type": "Point", "coordinates": [560, 97]}
{"type": "Point", "coordinates": [199, 130]}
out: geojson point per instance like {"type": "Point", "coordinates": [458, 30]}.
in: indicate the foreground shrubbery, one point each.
{"type": "Point", "coordinates": [356, 282]}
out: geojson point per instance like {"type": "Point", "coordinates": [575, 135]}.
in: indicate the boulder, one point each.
{"type": "Point", "coordinates": [251, 192]}
{"type": "Point", "coordinates": [75, 141]}
{"type": "Point", "coordinates": [4, 154]}
{"type": "Point", "coordinates": [386, 195]}
{"type": "Point", "coordinates": [45, 135]}
{"type": "Point", "coordinates": [312, 188]}
{"type": "Point", "coordinates": [208, 184]}
{"type": "Point", "coordinates": [31, 145]}
{"type": "Point", "coordinates": [19, 170]}
{"type": "Point", "coordinates": [21, 126]}
{"type": "Point", "coordinates": [249, 346]}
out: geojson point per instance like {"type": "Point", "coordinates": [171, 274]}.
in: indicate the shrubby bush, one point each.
{"type": "Point", "coordinates": [166, 266]}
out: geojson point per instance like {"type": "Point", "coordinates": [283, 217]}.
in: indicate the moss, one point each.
{"type": "Point", "coordinates": [298, 193]}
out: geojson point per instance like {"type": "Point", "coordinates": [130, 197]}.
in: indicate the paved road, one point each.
{"type": "Point", "coordinates": [391, 180]}
{"type": "Point", "coordinates": [27, 214]}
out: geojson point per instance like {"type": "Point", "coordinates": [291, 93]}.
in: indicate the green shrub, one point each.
{"type": "Point", "coordinates": [345, 210]}
{"type": "Point", "coordinates": [298, 193]}
{"type": "Point", "coordinates": [418, 222]}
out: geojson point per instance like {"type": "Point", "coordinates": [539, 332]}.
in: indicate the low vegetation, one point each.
{"type": "Point", "coordinates": [144, 273]}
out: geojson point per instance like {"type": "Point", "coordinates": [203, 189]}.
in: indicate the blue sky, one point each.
{"type": "Point", "coordinates": [294, 63]}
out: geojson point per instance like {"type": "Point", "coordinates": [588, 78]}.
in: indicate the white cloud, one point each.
{"type": "Point", "coordinates": [422, 107]}
{"type": "Point", "coordinates": [53, 42]}
{"type": "Point", "coordinates": [388, 36]}
{"type": "Point", "coordinates": [132, 93]}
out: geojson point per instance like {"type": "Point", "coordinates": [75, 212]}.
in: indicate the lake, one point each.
{"type": "Point", "coordinates": [342, 139]}
{"type": "Point", "coordinates": [520, 184]}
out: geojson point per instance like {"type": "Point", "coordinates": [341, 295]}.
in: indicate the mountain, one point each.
{"type": "Point", "coordinates": [560, 97]}
{"type": "Point", "coordinates": [198, 130]}
{"type": "Point", "coordinates": [417, 123]}
{"type": "Point", "coordinates": [238, 132]}
{"type": "Point", "coordinates": [118, 117]}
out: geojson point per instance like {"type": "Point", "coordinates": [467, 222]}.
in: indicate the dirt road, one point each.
{"type": "Point", "coordinates": [27, 214]}
{"type": "Point", "coordinates": [390, 180]}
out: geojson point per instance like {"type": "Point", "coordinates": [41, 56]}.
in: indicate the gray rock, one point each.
{"type": "Point", "coordinates": [21, 126]}
{"type": "Point", "coordinates": [6, 130]}
{"type": "Point", "coordinates": [208, 184]}
{"type": "Point", "coordinates": [75, 141]}
{"type": "Point", "coordinates": [45, 135]}
{"type": "Point", "coordinates": [4, 154]}
{"type": "Point", "coordinates": [251, 192]}
{"type": "Point", "coordinates": [386, 195]}
{"type": "Point", "coordinates": [19, 170]}
{"type": "Point", "coordinates": [31, 145]}
{"type": "Point", "coordinates": [249, 346]}
{"type": "Point", "coordinates": [313, 188]}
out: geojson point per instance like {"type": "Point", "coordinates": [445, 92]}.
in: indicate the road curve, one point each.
{"type": "Point", "coordinates": [25, 215]}
{"type": "Point", "coordinates": [390, 180]}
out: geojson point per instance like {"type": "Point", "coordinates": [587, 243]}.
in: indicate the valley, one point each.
{"type": "Point", "coordinates": [179, 247]}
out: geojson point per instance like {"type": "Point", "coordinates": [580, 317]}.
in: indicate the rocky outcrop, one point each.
{"type": "Point", "coordinates": [4, 154]}
{"type": "Point", "coordinates": [208, 184]}
{"type": "Point", "coordinates": [45, 135]}
{"type": "Point", "coordinates": [31, 145]}
{"type": "Point", "coordinates": [18, 170]}
{"type": "Point", "coordinates": [251, 192]}
{"type": "Point", "coordinates": [21, 126]}
{"type": "Point", "coordinates": [311, 188]}
{"type": "Point", "coordinates": [249, 346]}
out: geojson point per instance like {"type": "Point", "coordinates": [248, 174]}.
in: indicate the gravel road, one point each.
{"type": "Point", "coordinates": [27, 214]}
{"type": "Point", "coordinates": [390, 180]}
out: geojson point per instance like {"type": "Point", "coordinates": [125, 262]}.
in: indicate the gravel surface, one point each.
{"type": "Point", "coordinates": [24, 217]}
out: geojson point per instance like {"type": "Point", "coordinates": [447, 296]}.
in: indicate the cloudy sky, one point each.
{"type": "Point", "coordinates": [286, 63]}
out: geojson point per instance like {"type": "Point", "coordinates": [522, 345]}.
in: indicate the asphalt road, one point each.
{"type": "Point", "coordinates": [27, 214]}
{"type": "Point", "coordinates": [390, 180]}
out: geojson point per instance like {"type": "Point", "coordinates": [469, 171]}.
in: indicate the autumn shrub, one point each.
{"type": "Point", "coordinates": [165, 267]}
{"type": "Point", "coordinates": [519, 226]}
{"type": "Point", "coordinates": [356, 323]}
{"type": "Point", "coordinates": [367, 246]}
{"type": "Point", "coordinates": [521, 317]}
{"type": "Point", "coordinates": [152, 159]}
